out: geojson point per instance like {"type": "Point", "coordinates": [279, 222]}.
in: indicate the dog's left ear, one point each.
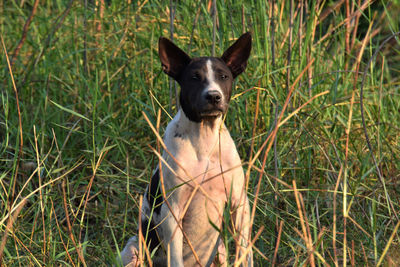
{"type": "Point", "coordinates": [235, 57]}
{"type": "Point", "coordinates": [173, 59]}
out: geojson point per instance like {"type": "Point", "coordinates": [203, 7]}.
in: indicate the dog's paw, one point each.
{"type": "Point", "coordinates": [129, 255]}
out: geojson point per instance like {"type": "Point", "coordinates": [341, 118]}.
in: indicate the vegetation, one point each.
{"type": "Point", "coordinates": [315, 118]}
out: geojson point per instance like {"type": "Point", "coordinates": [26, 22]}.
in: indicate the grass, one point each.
{"type": "Point", "coordinates": [75, 161]}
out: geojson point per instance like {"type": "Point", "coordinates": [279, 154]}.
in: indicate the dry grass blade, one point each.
{"type": "Point", "coordinates": [277, 243]}
{"type": "Point", "coordinates": [301, 107]}
{"type": "Point", "coordinates": [304, 225]}
{"type": "Point", "coordinates": [254, 131]}
{"type": "Point", "coordinates": [40, 191]}
{"type": "Point", "coordinates": [9, 226]}
{"type": "Point", "coordinates": [359, 226]}
{"type": "Point", "coordinates": [69, 227]}
{"type": "Point", "coordinates": [101, 15]}
{"type": "Point", "coordinates": [250, 246]}
{"type": "Point", "coordinates": [332, 8]}
{"type": "Point", "coordinates": [24, 32]}
{"type": "Point", "coordinates": [334, 232]}
{"type": "Point", "coordinates": [62, 240]}
{"type": "Point", "coordinates": [142, 241]}
{"type": "Point", "coordinates": [390, 241]}
{"type": "Point", "coordinates": [21, 139]}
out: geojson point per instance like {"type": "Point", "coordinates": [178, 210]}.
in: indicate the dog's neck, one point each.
{"type": "Point", "coordinates": [204, 136]}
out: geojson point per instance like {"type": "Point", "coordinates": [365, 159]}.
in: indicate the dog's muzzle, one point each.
{"type": "Point", "coordinates": [213, 104]}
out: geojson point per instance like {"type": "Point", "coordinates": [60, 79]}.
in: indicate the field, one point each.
{"type": "Point", "coordinates": [315, 117]}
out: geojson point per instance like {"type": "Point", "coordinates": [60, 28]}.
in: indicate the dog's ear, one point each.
{"type": "Point", "coordinates": [235, 57]}
{"type": "Point", "coordinates": [173, 59]}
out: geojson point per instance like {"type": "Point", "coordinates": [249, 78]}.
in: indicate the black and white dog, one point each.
{"type": "Point", "coordinates": [201, 169]}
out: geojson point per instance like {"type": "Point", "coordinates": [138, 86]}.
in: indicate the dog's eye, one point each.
{"type": "Point", "coordinates": [196, 76]}
{"type": "Point", "coordinates": [223, 77]}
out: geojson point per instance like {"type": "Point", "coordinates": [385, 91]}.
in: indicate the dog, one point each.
{"type": "Point", "coordinates": [200, 170]}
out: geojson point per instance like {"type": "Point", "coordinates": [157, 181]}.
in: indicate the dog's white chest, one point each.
{"type": "Point", "coordinates": [208, 160]}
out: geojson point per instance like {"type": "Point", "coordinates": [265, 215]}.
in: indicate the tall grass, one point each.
{"type": "Point", "coordinates": [315, 118]}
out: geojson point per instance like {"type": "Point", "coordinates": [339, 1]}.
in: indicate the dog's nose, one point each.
{"type": "Point", "coordinates": [213, 97]}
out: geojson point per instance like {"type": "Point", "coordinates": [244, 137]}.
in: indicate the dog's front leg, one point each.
{"type": "Point", "coordinates": [172, 234]}
{"type": "Point", "coordinates": [242, 225]}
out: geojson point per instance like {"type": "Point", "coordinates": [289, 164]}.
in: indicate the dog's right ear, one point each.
{"type": "Point", "coordinates": [236, 55]}
{"type": "Point", "coordinates": [173, 59]}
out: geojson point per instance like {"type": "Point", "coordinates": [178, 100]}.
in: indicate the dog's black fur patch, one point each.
{"type": "Point", "coordinates": [152, 240]}
{"type": "Point", "coordinates": [154, 195]}
{"type": "Point", "coordinates": [155, 200]}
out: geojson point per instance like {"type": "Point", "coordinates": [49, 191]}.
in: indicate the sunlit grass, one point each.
{"type": "Point", "coordinates": [69, 194]}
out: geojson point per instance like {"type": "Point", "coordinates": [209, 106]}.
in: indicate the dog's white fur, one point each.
{"type": "Point", "coordinates": [212, 83]}
{"type": "Point", "coordinates": [212, 152]}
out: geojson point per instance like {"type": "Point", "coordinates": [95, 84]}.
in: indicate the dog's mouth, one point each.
{"type": "Point", "coordinates": [211, 113]}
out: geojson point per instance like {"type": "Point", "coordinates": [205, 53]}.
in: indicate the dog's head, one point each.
{"type": "Point", "coordinates": [206, 82]}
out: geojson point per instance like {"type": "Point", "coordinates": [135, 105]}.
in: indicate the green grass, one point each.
{"type": "Point", "coordinates": [84, 78]}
